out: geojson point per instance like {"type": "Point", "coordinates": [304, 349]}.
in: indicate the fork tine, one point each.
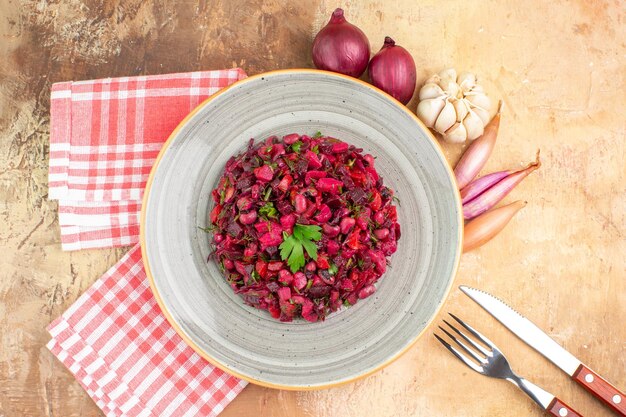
{"type": "Point", "coordinates": [467, 349]}
{"type": "Point", "coordinates": [460, 356]}
{"type": "Point", "coordinates": [470, 341]}
{"type": "Point", "coordinates": [474, 332]}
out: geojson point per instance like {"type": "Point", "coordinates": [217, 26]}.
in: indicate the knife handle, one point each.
{"type": "Point", "coordinates": [599, 387]}
{"type": "Point", "coordinates": [560, 409]}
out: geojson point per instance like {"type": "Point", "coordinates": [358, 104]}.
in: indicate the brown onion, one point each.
{"type": "Point", "coordinates": [341, 47]}
{"type": "Point", "coordinates": [392, 70]}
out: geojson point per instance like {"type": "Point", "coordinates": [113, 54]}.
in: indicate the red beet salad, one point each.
{"type": "Point", "coordinates": [303, 225]}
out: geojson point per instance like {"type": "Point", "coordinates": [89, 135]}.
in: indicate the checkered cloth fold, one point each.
{"type": "Point", "coordinates": [117, 343]}
{"type": "Point", "coordinates": [104, 138]}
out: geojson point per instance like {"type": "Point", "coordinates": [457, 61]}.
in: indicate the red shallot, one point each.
{"type": "Point", "coordinates": [497, 192]}
{"type": "Point", "coordinates": [477, 153]}
{"type": "Point", "coordinates": [392, 70]}
{"type": "Point", "coordinates": [476, 187]}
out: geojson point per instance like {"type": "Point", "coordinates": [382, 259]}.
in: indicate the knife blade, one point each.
{"type": "Point", "coordinates": [544, 344]}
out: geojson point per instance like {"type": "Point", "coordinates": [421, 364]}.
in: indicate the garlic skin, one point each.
{"type": "Point", "coordinates": [454, 105]}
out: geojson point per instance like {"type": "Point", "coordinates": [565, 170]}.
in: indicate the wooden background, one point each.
{"type": "Point", "coordinates": [560, 68]}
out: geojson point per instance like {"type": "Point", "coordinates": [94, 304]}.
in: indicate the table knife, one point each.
{"type": "Point", "coordinates": [544, 344]}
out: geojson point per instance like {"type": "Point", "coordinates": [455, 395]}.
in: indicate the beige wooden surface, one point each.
{"type": "Point", "coordinates": [560, 68]}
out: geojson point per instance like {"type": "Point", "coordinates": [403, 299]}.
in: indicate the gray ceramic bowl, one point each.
{"type": "Point", "coordinates": [352, 342]}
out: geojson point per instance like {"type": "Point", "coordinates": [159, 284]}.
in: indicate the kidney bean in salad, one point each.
{"type": "Point", "coordinates": [303, 225]}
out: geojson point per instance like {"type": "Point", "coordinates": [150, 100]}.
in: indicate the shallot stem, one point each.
{"type": "Point", "coordinates": [498, 191]}
{"type": "Point", "coordinates": [484, 227]}
{"type": "Point", "coordinates": [478, 152]}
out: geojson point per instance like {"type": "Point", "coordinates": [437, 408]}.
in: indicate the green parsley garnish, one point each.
{"type": "Point", "coordinates": [266, 194]}
{"type": "Point", "coordinates": [332, 269]}
{"type": "Point", "coordinates": [268, 211]}
{"type": "Point", "coordinates": [316, 150]}
{"type": "Point", "coordinates": [293, 246]}
{"type": "Point", "coordinates": [296, 146]}
{"type": "Point", "coordinates": [317, 134]}
{"type": "Point", "coordinates": [396, 200]}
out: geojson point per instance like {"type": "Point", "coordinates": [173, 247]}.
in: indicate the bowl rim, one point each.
{"type": "Point", "coordinates": [170, 318]}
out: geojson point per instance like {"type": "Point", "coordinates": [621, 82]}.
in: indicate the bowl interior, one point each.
{"type": "Point", "coordinates": [248, 342]}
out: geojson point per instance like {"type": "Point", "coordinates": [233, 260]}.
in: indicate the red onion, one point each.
{"type": "Point", "coordinates": [341, 47]}
{"type": "Point", "coordinates": [393, 70]}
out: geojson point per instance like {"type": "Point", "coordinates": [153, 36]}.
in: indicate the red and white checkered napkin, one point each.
{"type": "Point", "coordinates": [122, 350]}
{"type": "Point", "coordinates": [104, 137]}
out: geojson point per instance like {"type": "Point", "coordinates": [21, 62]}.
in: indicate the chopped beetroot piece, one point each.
{"type": "Point", "coordinates": [299, 280]}
{"type": "Point", "coordinates": [300, 203]}
{"type": "Point", "coordinates": [311, 266]}
{"type": "Point", "coordinates": [347, 223]}
{"type": "Point", "coordinates": [250, 250]}
{"type": "Point", "coordinates": [275, 266]}
{"type": "Point", "coordinates": [339, 147]}
{"type": "Point", "coordinates": [347, 285]}
{"type": "Point", "coordinates": [313, 160]}
{"type": "Point", "coordinates": [285, 183]}
{"type": "Point", "coordinates": [277, 150]}
{"type": "Point", "coordinates": [329, 185]}
{"type": "Point", "coordinates": [332, 247]}
{"type": "Point", "coordinates": [381, 234]}
{"type": "Point", "coordinates": [248, 218]}
{"type": "Point", "coordinates": [270, 239]}
{"type": "Point", "coordinates": [313, 175]}
{"type": "Point", "coordinates": [291, 138]}
{"type": "Point", "coordinates": [264, 173]}
{"type": "Point", "coordinates": [287, 221]}
{"type": "Point", "coordinates": [284, 293]}
{"type": "Point", "coordinates": [324, 214]}
{"type": "Point", "coordinates": [322, 262]}
{"type": "Point", "coordinates": [367, 291]}
{"type": "Point", "coordinates": [330, 231]}
{"type": "Point", "coordinates": [285, 277]}
{"type": "Point", "coordinates": [215, 213]}
{"type": "Point", "coordinates": [244, 203]}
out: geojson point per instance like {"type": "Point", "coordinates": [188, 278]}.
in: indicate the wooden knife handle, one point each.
{"type": "Point", "coordinates": [560, 409]}
{"type": "Point", "coordinates": [599, 387]}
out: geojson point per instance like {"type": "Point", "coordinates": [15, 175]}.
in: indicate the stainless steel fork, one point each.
{"type": "Point", "coordinates": [487, 359]}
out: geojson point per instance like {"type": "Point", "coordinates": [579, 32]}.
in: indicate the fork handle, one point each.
{"type": "Point", "coordinates": [560, 409]}
{"type": "Point", "coordinates": [603, 390]}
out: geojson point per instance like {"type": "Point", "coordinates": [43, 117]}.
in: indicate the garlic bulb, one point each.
{"type": "Point", "coordinates": [454, 105]}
